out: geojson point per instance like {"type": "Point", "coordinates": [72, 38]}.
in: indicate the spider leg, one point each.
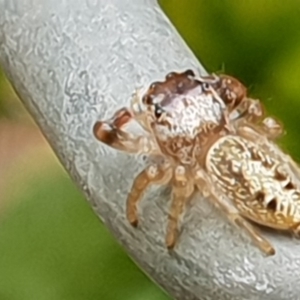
{"type": "Point", "coordinates": [111, 132]}
{"type": "Point", "coordinates": [257, 134]}
{"type": "Point", "coordinates": [272, 128]}
{"type": "Point", "coordinates": [137, 108]}
{"type": "Point", "coordinates": [153, 174]}
{"type": "Point", "coordinates": [182, 190]}
{"type": "Point", "coordinates": [233, 214]}
{"type": "Point", "coordinates": [296, 230]}
{"type": "Point", "coordinates": [251, 111]}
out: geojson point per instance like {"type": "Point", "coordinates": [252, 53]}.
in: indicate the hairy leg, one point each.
{"type": "Point", "coordinates": [137, 108]}
{"type": "Point", "coordinates": [272, 128]}
{"type": "Point", "coordinates": [233, 214]}
{"type": "Point", "coordinates": [182, 190]}
{"type": "Point", "coordinates": [153, 174]}
{"type": "Point", "coordinates": [251, 112]}
{"type": "Point", "coordinates": [255, 134]}
{"type": "Point", "coordinates": [111, 132]}
{"type": "Point", "coordinates": [296, 230]}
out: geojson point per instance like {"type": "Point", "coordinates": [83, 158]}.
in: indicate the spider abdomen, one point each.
{"type": "Point", "coordinates": [257, 182]}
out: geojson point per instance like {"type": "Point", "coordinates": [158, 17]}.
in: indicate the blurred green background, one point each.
{"type": "Point", "coordinates": [52, 246]}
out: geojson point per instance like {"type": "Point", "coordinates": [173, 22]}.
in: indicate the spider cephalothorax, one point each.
{"type": "Point", "coordinates": [177, 114]}
{"type": "Point", "coordinates": [212, 137]}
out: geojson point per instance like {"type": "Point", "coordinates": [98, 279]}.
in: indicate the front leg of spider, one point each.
{"type": "Point", "coordinates": [112, 133]}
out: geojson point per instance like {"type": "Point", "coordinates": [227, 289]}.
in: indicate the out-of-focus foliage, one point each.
{"type": "Point", "coordinates": [9, 105]}
{"type": "Point", "coordinates": [51, 244]}
{"type": "Point", "coordinates": [53, 247]}
{"type": "Point", "coordinates": [5, 96]}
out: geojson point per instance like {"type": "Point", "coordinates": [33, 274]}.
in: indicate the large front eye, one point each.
{"type": "Point", "coordinates": [206, 86]}
{"type": "Point", "coordinates": [158, 111]}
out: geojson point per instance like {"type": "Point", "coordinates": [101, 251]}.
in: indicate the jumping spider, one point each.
{"type": "Point", "coordinates": [212, 137]}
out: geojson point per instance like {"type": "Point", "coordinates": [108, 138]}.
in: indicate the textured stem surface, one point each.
{"type": "Point", "coordinates": [73, 62]}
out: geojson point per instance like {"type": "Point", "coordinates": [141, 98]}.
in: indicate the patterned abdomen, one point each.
{"type": "Point", "coordinates": [256, 182]}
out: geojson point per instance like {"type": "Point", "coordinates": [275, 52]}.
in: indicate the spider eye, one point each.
{"type": "Point", "coordinates": [158, 111]}
{"type": "Point", "coordinates": [205, 86]}
{"type": "Point", "coordinates": [189, 73]}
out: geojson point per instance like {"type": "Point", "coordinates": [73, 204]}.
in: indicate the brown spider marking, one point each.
{"type": "Point", "coordinates": [240, 106]}
{"type": "Point", "coordinates": [212, 137]}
